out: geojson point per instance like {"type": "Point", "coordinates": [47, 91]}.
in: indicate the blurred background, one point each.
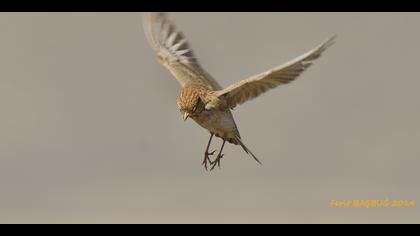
{"type": "Point", "coordinates": [90, 131]}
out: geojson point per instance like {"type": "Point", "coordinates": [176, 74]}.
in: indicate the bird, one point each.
{"type": "Point", "coordinates": [201, 97]}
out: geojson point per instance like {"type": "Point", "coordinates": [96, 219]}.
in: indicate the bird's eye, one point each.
{"type": "Point", "coordinates": [194, 108]}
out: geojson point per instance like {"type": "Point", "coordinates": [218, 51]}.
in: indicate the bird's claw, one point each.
{"type": "Point", "coordinates": [216, 161]}
{"type": "Point", "coordinates": [207, 158]}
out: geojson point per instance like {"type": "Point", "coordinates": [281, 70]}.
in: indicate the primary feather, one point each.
{"type": "Point", "coordinates": [252, 87]}
{"type": "Point", "coordinates": [174, 52]}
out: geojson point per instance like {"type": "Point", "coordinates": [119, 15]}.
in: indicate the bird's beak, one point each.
{"type": "Point", "coordinates": [186, 115]}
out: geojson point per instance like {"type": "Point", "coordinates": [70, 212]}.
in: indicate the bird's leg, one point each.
{"type": "Point", "coordinates": [207, 154]}
{"type": "Point", "coordinates": [219, 157]}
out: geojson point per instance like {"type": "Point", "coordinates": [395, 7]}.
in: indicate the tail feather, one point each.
{"type": "Point", "coordinates": [247, 150]}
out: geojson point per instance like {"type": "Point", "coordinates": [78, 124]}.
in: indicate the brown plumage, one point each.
{"type": "Point", "coordinates": [201, 97]}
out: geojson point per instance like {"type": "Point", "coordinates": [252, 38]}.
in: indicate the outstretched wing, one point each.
{"type": "Point", "coordinates": [250, 88]}
{"type": "Point", "coordinates": [174, 52]}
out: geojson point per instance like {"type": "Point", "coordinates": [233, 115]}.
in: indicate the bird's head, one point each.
{"type": "Point", "coordinates": [189, 102]}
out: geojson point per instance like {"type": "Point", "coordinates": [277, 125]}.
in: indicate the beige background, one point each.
{"type": "Point", "coordinates": [90, 131]}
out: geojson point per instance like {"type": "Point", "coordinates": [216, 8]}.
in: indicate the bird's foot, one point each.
{"type": "Point", "coordinates": [216, 161]}
{"type": "Point", "coordinates": [207, 159]}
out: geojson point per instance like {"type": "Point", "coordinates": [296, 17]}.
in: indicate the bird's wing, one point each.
{"type": "Point", "coordinates": [174, 52]}
{"type": "Point", "coordinates": [250, 88]}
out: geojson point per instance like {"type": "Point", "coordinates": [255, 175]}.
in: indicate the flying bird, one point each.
{"type": "Point", "coordinates": [202, 98]}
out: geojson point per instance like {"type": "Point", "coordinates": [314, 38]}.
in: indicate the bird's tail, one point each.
{"type": "Point", "coordinates": [247, 150]}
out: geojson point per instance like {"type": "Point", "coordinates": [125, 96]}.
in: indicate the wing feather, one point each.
{"type": "Point", "coordinates": [174, 52]}
{"type": "Point", "coordinates": [252, 87]}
